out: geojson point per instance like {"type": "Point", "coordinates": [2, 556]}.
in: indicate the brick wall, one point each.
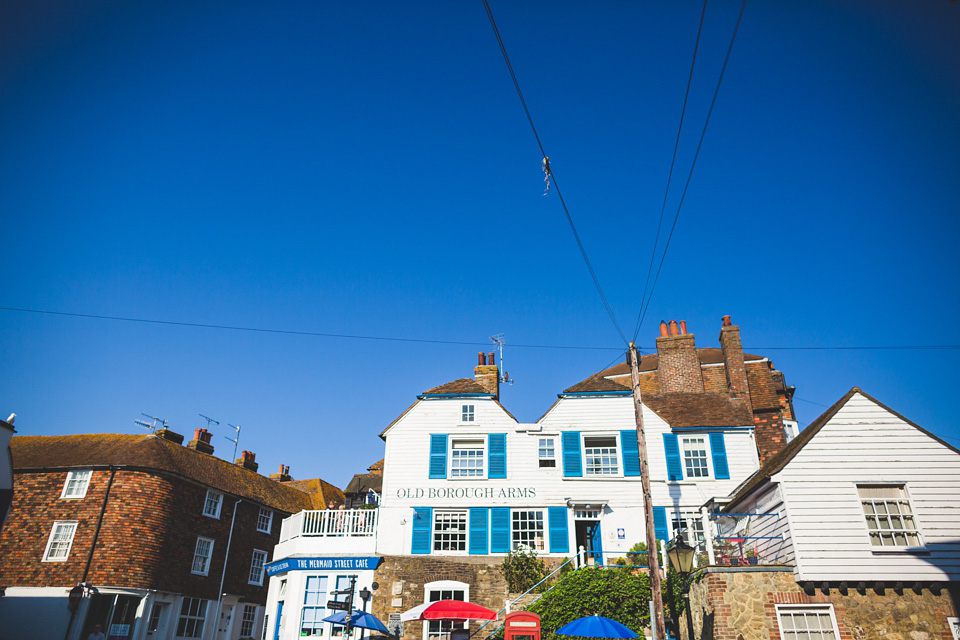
{"type": "Point", "coordinates": [740, 604]}
{"type": "Point", "coordinates": [147, 539]}
{"type": "Point", "coordinates": [679, 364]}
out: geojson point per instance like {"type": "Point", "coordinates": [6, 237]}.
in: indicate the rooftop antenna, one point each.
{"type": "Point", "coordinates": [209, 420]}
{"type": "Point", "coordinates": [151, 427]}
{"type": "Point", "coordinates": [499, 341]}
{"type": "Point", "coordinates": [234, 440]}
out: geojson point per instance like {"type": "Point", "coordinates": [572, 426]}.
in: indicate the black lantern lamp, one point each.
{"type": "Point", "coordinates": [681, 557]}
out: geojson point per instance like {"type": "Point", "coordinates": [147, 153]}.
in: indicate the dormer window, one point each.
{"type": "Point", "coordinates": [467, 413]}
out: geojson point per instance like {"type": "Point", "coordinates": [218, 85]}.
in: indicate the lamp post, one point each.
{"type": "Point", "coordinates": [681, 556]}
{"type": "Point", "coordinates": [365, 595]}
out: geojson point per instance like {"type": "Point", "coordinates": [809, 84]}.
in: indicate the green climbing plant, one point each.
{"type": "Point", "coordinates": [522, 569]}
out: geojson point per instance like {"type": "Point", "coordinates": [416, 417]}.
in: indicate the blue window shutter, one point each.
{"type": "Point", "coordinates": [631, 453]}
{"type": "Point", "coordinates": [672, 449]}
{"type": "Point", "coordinates": [559, 538]}
{"type": "Point", "coordinates": [438, 455]}
{"type": "Point", "coordinates": [660, 523]}
{"type": "Point", "coordinates": [497, 455]}
{"type": "Point", "coordinates": [422, 523]}
{"type": "Point", "coordinates": [572, 462]}
{"type": "Point", "coordinates": [478, 530]}
{"type": "Point", "coordinates": [721, 471]}
{"type": "Point", "coordinates": [500, 530]}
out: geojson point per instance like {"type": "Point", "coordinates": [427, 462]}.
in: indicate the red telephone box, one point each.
{"type": "Point", "coordinates": [521, 625]}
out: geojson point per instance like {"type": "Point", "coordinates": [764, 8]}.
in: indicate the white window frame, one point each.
{"type": "Point", "coordinates": [257, 569]}
{"type": "Point", "coordinates": [518, 530]}
{"type": "Point", "coordinates": [317, 605]}
{"type": "Point", "coordinates": [468, 413]}
{"type": "Point", "coordinates": [76, 484]}
{"type": "Point", "coordinates": [905, 531]}
{"type": "Point", "coordinates": [477, 443]}
{"type": "Point", "coordinates": [954, 623]}
{"type": "Point", "coordinates": [438, 629]}
{"type": "Point", "coordinates": [437, 540]}
{"type": "Point", "coordinates": [248, 622]}
{"type": "Point", "coordinates": [692, 524]}
{"type": "Point", "coordinates": [61, 533]}
{"type": "Point", "coordinates": [547, 452]}
{"type": "Point", "coordinates": [268, 514]}
{"type": "Point", "coordinates": [706, 459]}
{"type": "Point", "coordinates": [215, 498]}
{"type": "Point", "coordinates": [199, 618]}
{"type": "Point", "coordinates": [792, 609]}
{"type": "Point", "coordinates": [206, 559]}
{"type": "Point", "coordinates": [617, 469]}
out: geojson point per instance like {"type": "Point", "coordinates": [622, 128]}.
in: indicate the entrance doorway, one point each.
{"type": "Point", "coordinates": [116, 614]}
{"type": "Point", "coordinates": [588, 537]}
{"type": "Point", "coordinates": [226, 617]}
{"type": "Point", "coordinates": [157, 624]}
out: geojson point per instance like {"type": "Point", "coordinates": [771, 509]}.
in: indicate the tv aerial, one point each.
{"type": "Point", "coordinates": [499, 340]}
{"type": "Point", "coordinates": [151, 426]}
{"type": "Point", "coordinates": [234, 440]}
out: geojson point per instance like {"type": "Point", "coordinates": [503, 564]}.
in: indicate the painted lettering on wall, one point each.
{"type": "Point", "coordinates": [467, 492]}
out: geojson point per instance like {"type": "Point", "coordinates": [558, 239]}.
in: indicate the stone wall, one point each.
{"type": "Point", "coordinates": [740, 604]}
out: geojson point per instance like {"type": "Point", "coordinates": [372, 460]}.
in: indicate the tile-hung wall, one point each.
{"type": "Point", "coordinates": [463, 477]}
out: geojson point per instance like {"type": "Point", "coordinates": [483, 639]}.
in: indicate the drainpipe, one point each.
{"type": "Point", "coordinates": [93, 545]}
{"type": "Point", "coordinates": [223, 574]}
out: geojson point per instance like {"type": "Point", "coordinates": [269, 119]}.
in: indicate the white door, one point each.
{"type": "Point", "coordinates": [225, 623]}
{"type": "Point", "coordinates": [157, 623]}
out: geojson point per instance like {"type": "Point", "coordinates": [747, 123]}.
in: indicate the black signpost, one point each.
{"type": "Point", "coordinates": [336, 605]}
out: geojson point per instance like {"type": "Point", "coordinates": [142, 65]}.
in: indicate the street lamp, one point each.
{"type": "Point", "coordinates": [681, 556]}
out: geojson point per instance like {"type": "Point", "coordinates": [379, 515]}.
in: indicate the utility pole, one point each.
{"type": "Point", "coordinates": [653, 559]}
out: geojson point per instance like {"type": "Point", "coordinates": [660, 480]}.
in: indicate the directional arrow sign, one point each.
{"type": "Point", "coordinates": [338, 606]}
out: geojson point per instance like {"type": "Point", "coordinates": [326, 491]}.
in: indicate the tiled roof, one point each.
{"type": "Point", "coordinates": [321, 492]}
{"type": "Point", "coordinates": [700, 410]}
{"type": "Point", "coordinates": [376, 466]}
{"type": "Point", "coordinates": [462, 385]}
{"type": "Point", "coordinates": [650, 362]}
{"type": "Point", "coordinates": [779, 461]}
{"type": "Point", "coordinates": [150, 452]}
{"type": "Point", "coordinates": [596, 384]}
{"type": "Point", "coordinates": [362, 482]}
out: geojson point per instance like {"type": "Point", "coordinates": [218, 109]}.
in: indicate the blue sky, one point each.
{"type": "Point", "coordinates": [366, 168]}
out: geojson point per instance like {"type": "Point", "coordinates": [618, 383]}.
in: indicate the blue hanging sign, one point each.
{"type": "Point", "coordinates": [332, 563]}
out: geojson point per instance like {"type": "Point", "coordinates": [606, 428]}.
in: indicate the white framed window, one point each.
{"type": "Point", "coordinates": [450, 531]}
{"type": "Point", "coordinates": [314, 606]}
{"type": "Point", "coordinates": [247, 620]}
{"type": "Point", "coordinates": [695, 457]}
{"type": "Point", "coordinates": [600, 454]}
{"type": "Point", "coordinates": [256, 567]}
{"type": "Point", "coordinates": [76, 484]}
{"type": "Point", "coordinates": [201, 556]}
{"type": "Point", "coordinates": [212, 504]}
{"type": "Point", "coordinates": [444, 590]}
{"type": "Point", "coordinates": [467, 413]}
{"type": "Point", "coordinates": [527, 529]}
{"type": "Point", "coordinates": [546, 452]}
{"type": "Point", "coordinates": [954, 627]}
{"type": "Point", "coordinates": [807, 622]}
{"type": "Point", "coordinates": [890, 519]}
{"type": "Point", "coordinates": [60, 541]}
{"type": "Point", "coordinates": [193, 611]}
{"type": "Point", "coordinates": [466, 457]}
{"type": "Point", "coordinates": [265, 520]}
{"type": "Point", "coordinates": [690, 524]}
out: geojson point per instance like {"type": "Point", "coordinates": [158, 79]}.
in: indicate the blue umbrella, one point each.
{"type": "Point", "coordinates": [360, 619]}
{"type": "Point", "coordinates": [595, 627]}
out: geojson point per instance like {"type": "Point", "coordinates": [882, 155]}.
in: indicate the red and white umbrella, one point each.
{"type": "Point", "coordinates": [449, 610]}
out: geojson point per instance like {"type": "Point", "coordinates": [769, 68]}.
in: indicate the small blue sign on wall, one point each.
{"type": "Point", "coordinates": [621, 533]}
{"type": "Point", "coordinates": [331, 563]}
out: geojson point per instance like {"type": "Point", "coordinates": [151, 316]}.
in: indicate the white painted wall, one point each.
{"type": "Point", "coordinates": [865, 443]}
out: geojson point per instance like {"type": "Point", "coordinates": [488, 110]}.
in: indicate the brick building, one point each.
{"type": "Point", "coordinates": [165, 540]}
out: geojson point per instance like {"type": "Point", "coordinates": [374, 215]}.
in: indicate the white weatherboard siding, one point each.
{"type": "Point", "coordinates": [759, 531]}
{"type": "Point", "coordinates": [864, 443]}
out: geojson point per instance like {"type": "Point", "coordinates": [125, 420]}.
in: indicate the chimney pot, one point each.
{"type": "Point", "coordinates": [481, 358]}
{"type": "Point", "coordinates": [673, 328]}
{"type": "Point", "coordinates": [196, 433]}
{"type": "Point", "coordinates": [726, 321]}
{"type": "Point", "coordinates": [490, 358]}
{"type": "Point", "coordinates": [663, 329]}
{"type": "Point", "coordinates": [683, 327]}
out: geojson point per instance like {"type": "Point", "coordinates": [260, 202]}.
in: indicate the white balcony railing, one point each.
{"type": "Point", "coordinates": [330, 523]}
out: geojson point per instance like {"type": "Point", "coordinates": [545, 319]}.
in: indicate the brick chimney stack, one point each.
{"type": "Point", "coordinates": [283, 475]}
{"type": "Point", "coordinates": [248, 460]}
{"type": "Point", "coordinates": [733, 364]}
{"type": "Point", "coordinates": [679, 365]}
{"type": "Point", "coordinates": [201, 441]}
{"type": "Point", "coordinates": [486, 374]}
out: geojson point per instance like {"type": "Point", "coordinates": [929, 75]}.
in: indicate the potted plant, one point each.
{"type": "Point", "coordinates": [751, 555]}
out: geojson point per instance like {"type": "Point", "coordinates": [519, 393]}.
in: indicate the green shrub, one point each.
{"type": "Point", "coordinates": [522, 569]}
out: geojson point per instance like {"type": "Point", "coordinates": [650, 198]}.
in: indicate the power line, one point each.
{"type": "Point", "coordinates": [573, 228]}
{"type": "Point", "coordinates": [202, 325]}
{"type": "Point", "coordinates": [683, 195]}
{"type": "Point", "coordinates": [673, 161]}
{"type": "Point", "coordinates": [909, 347]}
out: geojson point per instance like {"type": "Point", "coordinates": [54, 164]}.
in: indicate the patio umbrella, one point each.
{"type": "Point", "coordinates": [449, 610]}
{"type": "Point", "coordinates": [595, 627]}
{"type": "Point", "coordinates": [360, 619]}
